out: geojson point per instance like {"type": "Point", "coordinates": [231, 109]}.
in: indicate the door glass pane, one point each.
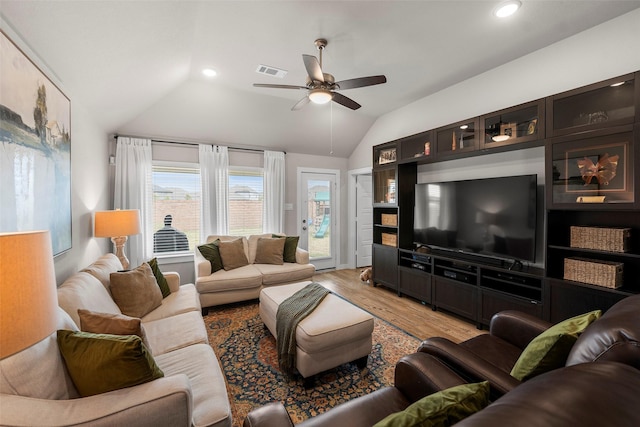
{"type": "Point", "coordinates": [319, 212]}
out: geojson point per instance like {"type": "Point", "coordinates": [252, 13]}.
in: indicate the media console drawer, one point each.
{"type": "Point", "coordinates": [459, 298]}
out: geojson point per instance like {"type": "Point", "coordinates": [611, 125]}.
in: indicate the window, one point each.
{"type": "Point", "coordinates": [176, 207]}
{"type": "Point", "coordinates": [245, 201]}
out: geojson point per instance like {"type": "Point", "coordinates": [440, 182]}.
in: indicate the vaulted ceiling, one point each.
{"type": "Point", "coordinates": [136, 65]}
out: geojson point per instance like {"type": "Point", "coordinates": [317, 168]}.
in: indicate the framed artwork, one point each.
{"type": "Point", "coordinates": [597, 170]}
{"type": "Point", "coordinates": [35, 141]}
{"type": "Point", "coordinates": [387, 156]}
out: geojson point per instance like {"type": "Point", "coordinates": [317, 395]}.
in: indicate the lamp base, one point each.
{"type": "Point", "coordinates": [119, 242]}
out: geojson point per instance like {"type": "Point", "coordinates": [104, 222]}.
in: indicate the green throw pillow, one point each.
{"type": "Point", "coordinates": [162, 281]}
{"type": "Point", "coordinates": [211, 252]}
{"type": "Point", "coordinates": [443, 408]}
{"type": "Point", "coordinates": [550, 349]}
{"type": "Point", "coordinates": [290, 246]}
{"type": "Point", "coordinates": [98, 363]}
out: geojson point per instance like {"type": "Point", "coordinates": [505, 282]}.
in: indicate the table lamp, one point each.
{"type": "Point", "coordinates": [27, 290]}
{"type": "Point", "coordinates": [117, 224]}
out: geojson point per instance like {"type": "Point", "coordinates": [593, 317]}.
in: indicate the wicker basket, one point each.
{"type": "Point", "coordinates": [390, 220]}
{"type": "Point", "coordinates": [600, 238]}
{"type": "Point", "coordinates": [593, 272]}
{"type": "Point", "coordinates": [389, 239]}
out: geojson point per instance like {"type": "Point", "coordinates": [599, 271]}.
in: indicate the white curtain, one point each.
{"type": "Point", "coordinates": [273, 191]}
{"type": "Point", "coordinates": [214, 174]}
{"type": "Point", "coordinates": [133, 191]}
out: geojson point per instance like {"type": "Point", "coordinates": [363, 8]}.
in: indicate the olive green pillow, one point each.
{"type": "Point", "coordinates": [162, 281]}
{"type": "Point", "coordinates": [290, 246]}
{"type": "Point", "coordinates": [211, 252]}
{"type": "Point", "coordinates": [232, 254]}
{"type": "Point", "coordinates": [550, 349]}
{"type": "Point", "coordinates": [99, 363]}
{"type": "Point", "coordinates": [443, 408]}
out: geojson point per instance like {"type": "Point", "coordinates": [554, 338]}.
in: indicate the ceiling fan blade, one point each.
{"type": "Point", "coordinates": [313, 68]}
{"type": "Point", "coordinates": [361, 82]}
{"type": "Point", "coordinates": [278, 86]}
{"type": "Point", "coordinates": [343, 100]}
{"type": "Point", "coordinates": [304, 101]}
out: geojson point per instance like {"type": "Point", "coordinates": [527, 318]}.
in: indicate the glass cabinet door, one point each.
{"type": "Point", "coordinates": [515, 125]}
{"type": "Point", "coordinates": [456, 139]}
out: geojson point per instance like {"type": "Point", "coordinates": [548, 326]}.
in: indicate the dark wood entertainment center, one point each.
{"type": "Point", "coordinates": [574, 127]}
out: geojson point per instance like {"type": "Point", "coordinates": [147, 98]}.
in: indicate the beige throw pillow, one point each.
{"type": "Point", "coordinates": [136, 292]}
{"type": "Point", "coordinates": [111, 323]}
{"type": "Point", "coordinates": [232, 254]}
{"type": "Point", "coordinates": [270, 251]}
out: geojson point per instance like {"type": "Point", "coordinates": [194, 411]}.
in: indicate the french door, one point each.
{"type": "Point", "coordinates": [318, 216]}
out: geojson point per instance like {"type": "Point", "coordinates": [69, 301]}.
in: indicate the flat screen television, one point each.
{"type": "Point", "coordinates": [493, 217]}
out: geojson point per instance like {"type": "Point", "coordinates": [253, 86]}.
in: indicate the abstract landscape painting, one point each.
{"type": "Point", "coordinates": [35, 150]}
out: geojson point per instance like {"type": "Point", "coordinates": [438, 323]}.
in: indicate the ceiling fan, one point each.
{"type": "Point", "coordinates": [322, 86]}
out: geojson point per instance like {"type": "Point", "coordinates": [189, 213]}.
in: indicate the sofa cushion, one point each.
{"type": "Point", "coordinates": [98, 363]}
{"type": "Point", "coordinates": [136, 291]}
{"type": "Point", "coordinates": [110, 323]}
{"type": "Point", "coordinates": [444, 408]}
{"type": "Point", "coordinates": [247, 277]}
{"type": "Point", "coordinates": [39, 371]}
{"type": "Point", "coordinates": [269, 251]}
{"type": "Point", "coordinates": [232, 254]}
{"type": "Point", "coordinates": [186, 299]}
{"type": "Point", "coordinates": [550, 349]}
{"type": "Point", "coordinates": [102, 268]}
{"type": "Point", "coordinates": [160, 279]}
{"type": "Point", "coordinates": [211, 252]}
{"type": "Point", "coordinates": [82, 290]}
{"type": "Point", "coordinates": [171, 333]}
{"type": "Point", "coordinates": [290, 246]}
{"type": "Point", "coordinates": [285, 273]}
{"type": "Point", "coordinates": [208, 388]}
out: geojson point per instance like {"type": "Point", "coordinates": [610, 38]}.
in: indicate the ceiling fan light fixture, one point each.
{"type": "Point", "coordinates": [320, 96]}
{"type": "Point", "coordinates": [507, 8]}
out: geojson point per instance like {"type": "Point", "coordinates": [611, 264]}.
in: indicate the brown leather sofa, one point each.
{"type": "Point", "coordinates": [600, 384]}
{"type": "Point", "coordinates": [613, 337]}
{"type": "Point", "coordinates": [591, 394]}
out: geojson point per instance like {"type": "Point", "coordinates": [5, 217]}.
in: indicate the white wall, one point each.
{"type": "Point", "coordinates": [89, 176]}
{"type": "Point", "coordinates": [605, 51]}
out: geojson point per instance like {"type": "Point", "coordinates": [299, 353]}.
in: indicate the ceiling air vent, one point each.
{"type": "Point", "coordinates": [271, 71]}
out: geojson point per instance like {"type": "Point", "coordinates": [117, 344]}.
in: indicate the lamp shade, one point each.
{"type": "Point", "coordinates": [117, 223]}
{"type": "Point", "coordinates": [27, 290]}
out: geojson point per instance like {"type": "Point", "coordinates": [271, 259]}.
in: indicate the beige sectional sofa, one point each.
{"type": "Point", "coordinates": [246, 282]}
{"type": "Point", "coordinates": [36, 388]}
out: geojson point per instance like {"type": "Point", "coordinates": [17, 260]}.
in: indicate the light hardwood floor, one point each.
{"type": "Point", "coordinates": [404, 312]}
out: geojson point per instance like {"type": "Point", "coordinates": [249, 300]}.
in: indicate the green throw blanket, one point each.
{"type": "Point", "coordinates": [291, 312]}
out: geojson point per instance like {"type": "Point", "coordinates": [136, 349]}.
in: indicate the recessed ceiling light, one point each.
{"type": "Point", "coordinates": [507, 8]}
{"type": "Point", "coordinates": [209, 72]}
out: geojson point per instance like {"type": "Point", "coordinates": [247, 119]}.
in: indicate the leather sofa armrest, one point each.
{"type": "Point", "coordinates": [173, 280]}
{"type": "Point", "coordinates": [270, 415]}
{"type": "Point", "coordinates": [302, 256]}
{"type": "Point", "coordinates": [420, 374]}
{"type": "Point", "coordinates": [165, 401]}
{"type": "Point", "coordinates": [470, 366]}
{"type": "Point", "coordinates": [517, 328]}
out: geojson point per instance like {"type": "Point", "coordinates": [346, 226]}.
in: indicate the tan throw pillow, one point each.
{"type": "Point", "coordinates": [232, 254]}
{"type": "Point", "coordinates": [136, 292]}
{"type": "Point", "coordinates": [111, 323]}
{"type": "Point", "coordinates": [99, 363]}
{"type": "Point", "coordinates": [270, 251]}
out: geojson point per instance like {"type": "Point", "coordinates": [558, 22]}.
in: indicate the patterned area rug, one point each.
{"type": "Point", "coordinates": [247, 354]}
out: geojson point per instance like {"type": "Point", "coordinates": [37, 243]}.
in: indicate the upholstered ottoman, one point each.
{"type": "Point", "coordinates": [336, 332]}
